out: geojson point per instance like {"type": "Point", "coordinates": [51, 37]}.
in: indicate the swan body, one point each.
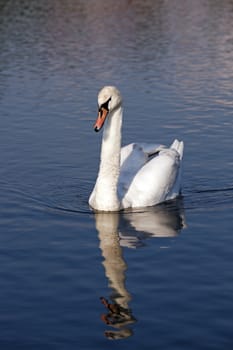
{"type": "Point", "coordinates": [136, 175]}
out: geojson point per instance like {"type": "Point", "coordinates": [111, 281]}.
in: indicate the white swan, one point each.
{"type": "Point", "coordinates": [134, 176]}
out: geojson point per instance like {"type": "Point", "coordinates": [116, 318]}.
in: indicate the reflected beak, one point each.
{"type": "Point", "coordinates": [103, 112]}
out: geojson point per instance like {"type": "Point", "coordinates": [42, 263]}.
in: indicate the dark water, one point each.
{"type": "Point", "coordinates": [168, 270]}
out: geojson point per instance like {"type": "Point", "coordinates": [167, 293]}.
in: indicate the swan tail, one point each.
{"type": "Point", "coordinates": [179, 147]}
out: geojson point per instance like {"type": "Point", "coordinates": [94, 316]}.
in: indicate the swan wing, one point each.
{"type": "Point", "coordinates": [157, 180]}
{"type": "Point", "coordinates": [133, 157]}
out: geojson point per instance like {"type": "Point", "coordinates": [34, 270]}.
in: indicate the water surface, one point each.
{"type": "Point", "coordinates": [166, 271]}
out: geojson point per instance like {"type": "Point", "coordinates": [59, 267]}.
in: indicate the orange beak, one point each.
{"type": "Point", "coordinates": [103, 112]}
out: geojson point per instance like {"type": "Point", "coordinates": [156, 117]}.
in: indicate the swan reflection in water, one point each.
{"type": "Point", "coordinates": [130, 229]}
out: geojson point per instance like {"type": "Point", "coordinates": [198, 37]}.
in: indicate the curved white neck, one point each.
{"type": "Point", "coordinates": [106, 185]}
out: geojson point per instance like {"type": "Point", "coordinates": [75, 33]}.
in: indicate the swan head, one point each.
{"type": "Point", "coordinates": [109, 99]}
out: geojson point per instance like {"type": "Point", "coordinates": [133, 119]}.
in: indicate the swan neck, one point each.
{"type": "Point", "coordinates": [111, 143]}
{"type": "Point", "coordinates": [109, 170]}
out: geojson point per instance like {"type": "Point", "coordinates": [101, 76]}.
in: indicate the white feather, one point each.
{"type": "Point", "coordinates": [136, 175]}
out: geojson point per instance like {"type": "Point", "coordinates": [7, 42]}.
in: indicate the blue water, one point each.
{"type": "Point", "coordinates": [167, 271]}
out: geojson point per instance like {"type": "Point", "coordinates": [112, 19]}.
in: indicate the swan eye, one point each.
{"type": "Point", "coordinates": [105, 105]}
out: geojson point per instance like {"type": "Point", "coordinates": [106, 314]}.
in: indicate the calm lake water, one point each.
{"type": "Point", "coordinates": [168, 269]}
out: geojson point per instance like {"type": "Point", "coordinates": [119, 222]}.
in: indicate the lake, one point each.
{"type": "Point", "coordinates": [159, 278]}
